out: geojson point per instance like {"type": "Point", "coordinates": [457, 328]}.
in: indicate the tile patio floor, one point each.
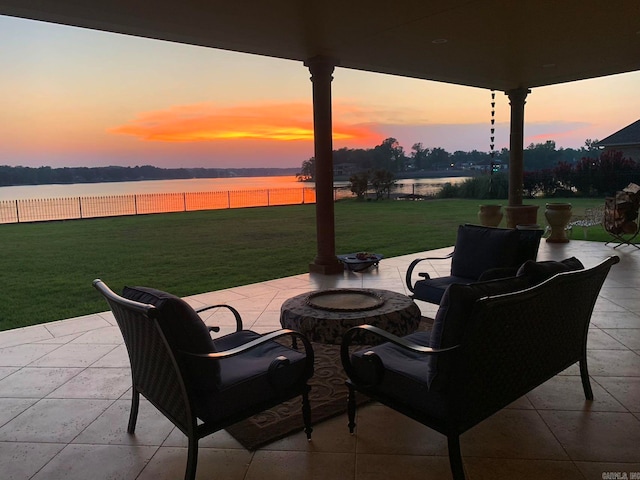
{"type": "Point", "coordinates": [65, 389]}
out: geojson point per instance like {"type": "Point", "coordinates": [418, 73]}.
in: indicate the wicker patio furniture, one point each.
{"type": "Point", "coordinates": [200, 384]}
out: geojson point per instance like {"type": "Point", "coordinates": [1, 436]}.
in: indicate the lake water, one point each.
{"type": "Point", "coordinates": [23, 192]}
{"type": "Point", "coordinates": [423, 186]}
{"type": "Point", "coordinates": [34, 203]}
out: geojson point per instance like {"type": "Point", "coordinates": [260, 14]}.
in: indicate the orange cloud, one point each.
{"type": "Point", "coordinates": [208, 122]}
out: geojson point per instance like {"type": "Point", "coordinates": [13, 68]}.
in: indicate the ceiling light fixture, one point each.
{"type": "Point", "coordinates": [439, 40]}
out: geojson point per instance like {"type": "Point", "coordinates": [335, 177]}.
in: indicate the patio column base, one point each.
{"type": "Point", "coordinates": [521, 215]}
{"type": "Point", "coordinates": [327, 268]}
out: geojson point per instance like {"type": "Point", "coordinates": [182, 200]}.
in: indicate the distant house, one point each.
{"type": "Point", "coordinates": [626, 141]}
{"type": "Point", "coordinates": [485, 166]}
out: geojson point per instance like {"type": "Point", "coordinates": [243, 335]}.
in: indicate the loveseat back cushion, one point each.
{"type": "Point", "coordinates": [480, 248]}
{"type": "Point", "coordinates": [457, 302]}
{"type": "Point", "coordinates": [456, 310]}
{"type": "Point", "coordinates": [181, 325]}
{"type": "Point", "coordinates": [537, 272]}
{"type": "Point", "coordinates": [497, 273]}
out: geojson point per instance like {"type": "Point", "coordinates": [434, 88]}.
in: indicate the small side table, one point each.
{"type": "Point", "coordinates": [325, 315]}
{"type": "Point", "coordinates": [357, 262]}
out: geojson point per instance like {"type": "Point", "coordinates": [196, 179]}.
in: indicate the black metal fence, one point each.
{"type": "Point", "coordinates": [70, 208]}
{"type": "Point", "coordinates": [45, 209]}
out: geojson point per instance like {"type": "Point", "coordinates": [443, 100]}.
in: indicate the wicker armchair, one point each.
{"type": "Point", "coordinates": [487, 348]}
{"type": "Point", "coordinates": [480, 253]}
{"type": "Point", "coordinates": [199, 384]}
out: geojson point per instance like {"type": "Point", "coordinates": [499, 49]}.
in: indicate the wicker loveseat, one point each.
{"type": "Point", "coordinates": [491, 343]}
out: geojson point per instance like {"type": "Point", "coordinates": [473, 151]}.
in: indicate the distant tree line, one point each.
{"type": "Point", "coordinates": [47, 175]}
{"type": "Point", "coordinates": [391, 156]}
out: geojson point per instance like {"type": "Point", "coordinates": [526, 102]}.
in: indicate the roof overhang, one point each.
{"type": "Point", "coordinates": [497, 44]}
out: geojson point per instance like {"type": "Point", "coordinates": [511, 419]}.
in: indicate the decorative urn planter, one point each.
{"type": "Point", "coordinates": [490, 215]}
{"type": "Point", "coordinates": [521, 215]}
{"type": "Point", "coordinates": [558, 216]}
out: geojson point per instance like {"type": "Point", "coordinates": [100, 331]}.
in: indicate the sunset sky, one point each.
{"type": "Point", "coordinates": [76, 97]}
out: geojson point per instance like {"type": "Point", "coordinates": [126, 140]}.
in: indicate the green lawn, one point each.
{"type": "Point", "coordinates": [47, 268]}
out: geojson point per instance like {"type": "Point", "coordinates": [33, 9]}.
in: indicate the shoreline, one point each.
{"type": "Point", "coordinates": [340, 178]}
{"type": "Point", "coordinates": [423, 174]}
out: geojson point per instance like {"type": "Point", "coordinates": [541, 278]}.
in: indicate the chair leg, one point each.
{"type": "Point", "coordinates": [351, 408]}
{"type": "Point", "coordinates": [306, 412]}
{"type": "Point", "coordinates": [133, 414]}
{"type": "Point", "coordinates": [584, 375]}
{"type": "Point", "coordinates": [192, 459]}
{"type": "Point", "coordinates": [455, 457]}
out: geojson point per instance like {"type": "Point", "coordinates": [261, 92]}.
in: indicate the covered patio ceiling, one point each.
{"type": "Point", "coordinates": [495, 44]}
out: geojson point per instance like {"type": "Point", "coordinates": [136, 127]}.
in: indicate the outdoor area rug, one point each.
{"type": "Point", "coordinates": [328, 399]}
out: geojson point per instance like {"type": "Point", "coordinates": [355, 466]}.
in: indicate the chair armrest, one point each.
{"type": "Point", "coordinates": [401, 342]}
{"type": "Point", "coordinates": [308, 349]}
{"type": "Point", "coordinates": [235, 312]}
{"type": "Point", "coordinates": [413, 264]}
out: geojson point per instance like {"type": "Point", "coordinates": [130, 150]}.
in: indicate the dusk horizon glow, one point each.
{"type": "Point", "coordinates": [76, 97]}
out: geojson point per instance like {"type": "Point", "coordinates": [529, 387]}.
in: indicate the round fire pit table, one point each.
{"type": "Point", "coordinates": [324, 316]}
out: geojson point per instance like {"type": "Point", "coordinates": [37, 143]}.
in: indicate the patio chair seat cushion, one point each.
{"type": "Point", "coordinates": [406, 373]}
{"type": "Point", "coordinates": [479, 249]}
{"type": "Point", "coordinates": [431, 290]}
{"type": "Point", "coordinates": [245, 377]}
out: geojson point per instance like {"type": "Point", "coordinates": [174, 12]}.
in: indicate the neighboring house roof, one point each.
{"type": "Point", "coordinates": [629, 135]}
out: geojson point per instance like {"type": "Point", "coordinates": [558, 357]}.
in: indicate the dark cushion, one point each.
{"type": "Point", "coordinates": [480, 248]}
{"type": "Point", "coordinates": [432, 289]}
{"type": "Point", "coordinates": [528, 245]}
{"type": "Point", "coordinates": [458, 301]}
{"type": "Point", "coordinates": [244, 378]}
{"type": "Point", "coordinates": [182, 326]}
{"type": "Point", "coordinates": [406, 374]}
{"type": "Point", "coordinates": [537, 272]}
{"type": "Point", "coordinates": [455, 309]}
{"type": "Point", "coordinates": [497, 273]}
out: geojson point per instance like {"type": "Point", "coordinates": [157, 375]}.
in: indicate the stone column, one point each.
{"type": "Point", "coordinates": [517, 98]}
{"type": "Point", "coordinates": [321, 69]}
